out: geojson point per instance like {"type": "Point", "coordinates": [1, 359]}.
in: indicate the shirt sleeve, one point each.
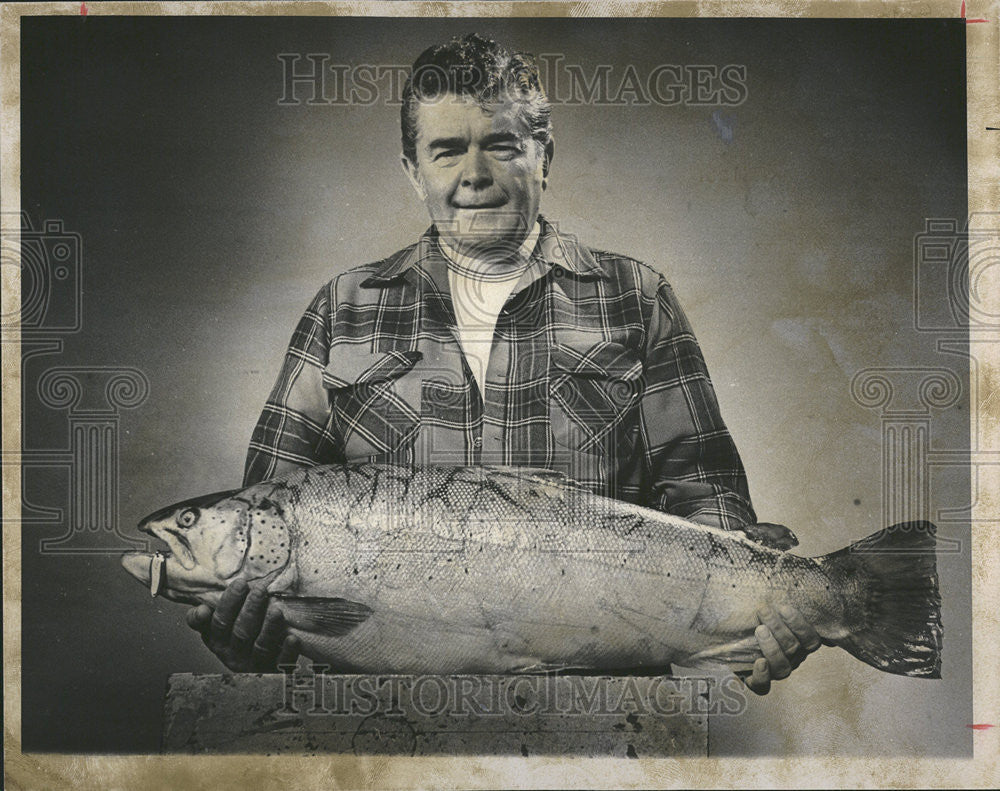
{"type": "Point", "coordinates": [295, 428]}
{"type": "Point", "coordinates": [694, 468]}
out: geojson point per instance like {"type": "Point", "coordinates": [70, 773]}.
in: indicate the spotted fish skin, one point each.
{"type": "Point", "coordinates": [388, 569]}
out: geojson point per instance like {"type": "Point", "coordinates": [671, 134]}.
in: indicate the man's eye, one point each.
{"type": "Point", "coordinates": [187, 517]}
{"type": "Point", "coordinates": [505, 151]}
{"type": "Point", "coordinates": [447, 153]}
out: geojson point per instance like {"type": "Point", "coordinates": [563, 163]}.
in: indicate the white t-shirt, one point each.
{"type": "Point", "coordinates": [479, 290]}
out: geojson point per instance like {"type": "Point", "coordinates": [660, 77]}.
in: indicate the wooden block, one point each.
{"type": "Point", "coordinates": [627, 716]}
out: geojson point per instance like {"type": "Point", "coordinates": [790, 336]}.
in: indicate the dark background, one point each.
{"type": "Point", "coordinates": [209, 215]}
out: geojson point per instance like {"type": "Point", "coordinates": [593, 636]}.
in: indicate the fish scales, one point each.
{"type": "Point", "coordinates": [477, 569]}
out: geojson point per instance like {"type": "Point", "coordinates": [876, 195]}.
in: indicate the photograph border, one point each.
{"type": "Point", "coordinates": [51, 771]}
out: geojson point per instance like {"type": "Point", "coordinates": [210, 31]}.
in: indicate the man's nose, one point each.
{"type": "Point", "coordinates": [476, 172]}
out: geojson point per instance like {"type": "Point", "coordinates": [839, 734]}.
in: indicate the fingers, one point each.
{"type": "Point", "coordinates": [785, 638]}
{"type": "Point", "coordinates": [779, 665]}
{"type": "Point", "coordinates": [264, 656]}
{"type": "Point", "coordinates": [244, 632]}
{"type": "Point", "coordinates": [225, 614]}
{"type": "Point", "coordinates": [249, 622]}
{"type": "Point", "coordinates": [289, 651]}
{"type": "Point", "coordinates": [808, 638]}
{"type": "Point", "coordinates": [759, 681]}
{"type": "Point", "coordinates": [782, 634]}
{"type": "Point", "coordinates": [199, 618]}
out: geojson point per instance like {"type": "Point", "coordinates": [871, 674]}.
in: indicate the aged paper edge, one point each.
{"type": "Point", "coordinates": [50, 771]}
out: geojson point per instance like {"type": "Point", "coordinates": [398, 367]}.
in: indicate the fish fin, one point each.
{"type": "Point", "coordinates": [898, 623]}
{"type": "Point", "coordinates": [737, 655]}
{"type": "Point", "coordinates": [336, 617]}
{"type": "Point", "coordinates": [771, 535]}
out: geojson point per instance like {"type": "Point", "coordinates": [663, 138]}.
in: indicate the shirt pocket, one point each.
{"type": "Point", "coordinates": [594, 393]}
{"type": "Point", "coordinates": [369, 410]}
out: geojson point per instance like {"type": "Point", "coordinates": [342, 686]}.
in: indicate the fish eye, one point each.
{"type": "Point", "coordinates": [187, 517]}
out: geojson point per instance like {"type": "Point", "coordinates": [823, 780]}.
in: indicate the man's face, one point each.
{"type": "Point", "coordinates": [479, 172]}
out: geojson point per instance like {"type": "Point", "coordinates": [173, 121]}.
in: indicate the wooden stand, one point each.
{"type": "Point", "coordinates": [626, 716]}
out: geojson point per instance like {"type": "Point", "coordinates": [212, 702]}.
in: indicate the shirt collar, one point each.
{"type": "Point", "coordinates": [554, 248]}
{"type": "Point", "coordinates": [563, 249]}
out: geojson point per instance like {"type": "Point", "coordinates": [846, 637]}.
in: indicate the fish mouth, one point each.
{"type": "Point", "coordinates": [149, 569]}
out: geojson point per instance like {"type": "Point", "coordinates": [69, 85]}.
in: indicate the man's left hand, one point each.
{"type": "Point", "coordinates": [786, 638]}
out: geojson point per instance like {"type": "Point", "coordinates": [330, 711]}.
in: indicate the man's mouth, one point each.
{"type": "Point", "coordinates": [493, 204]}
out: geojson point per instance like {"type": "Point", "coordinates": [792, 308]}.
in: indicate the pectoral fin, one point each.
{"type": "Point", "coordinates": [334, 617]}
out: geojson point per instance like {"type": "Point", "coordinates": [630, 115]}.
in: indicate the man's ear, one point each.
{"type": "Point", "coordinates": [410, 169]}
{"type": "Point", "coordinates": [550, 149]}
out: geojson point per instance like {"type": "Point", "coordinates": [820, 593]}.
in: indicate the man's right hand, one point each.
{"type": "Point", "coordinates": [245, 633]}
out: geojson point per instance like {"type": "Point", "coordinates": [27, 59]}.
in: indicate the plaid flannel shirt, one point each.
{"type": "Point", "coordinates": [594, 372]}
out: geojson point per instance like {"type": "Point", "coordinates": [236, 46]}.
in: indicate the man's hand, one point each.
{"type": "Point", "coordinates": [246, 634]}
{"type": "Point", "coordinates": [785, 638]}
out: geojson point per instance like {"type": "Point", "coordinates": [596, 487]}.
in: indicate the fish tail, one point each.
{"type": "Point", "coordinates": [893, 607]}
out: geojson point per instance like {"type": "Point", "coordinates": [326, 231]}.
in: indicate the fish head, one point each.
{"type": "Point", "coordinates": [211, 541]}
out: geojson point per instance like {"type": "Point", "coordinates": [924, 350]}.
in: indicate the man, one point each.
{"type": "Point", "coordinates": [497, 339]}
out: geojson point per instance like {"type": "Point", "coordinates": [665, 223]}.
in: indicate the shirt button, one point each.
{"type": "Point", "coordinates": [477, 442]}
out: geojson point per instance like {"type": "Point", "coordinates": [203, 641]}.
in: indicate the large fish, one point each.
{"type": "Point", "coordinates": [384, 569]}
